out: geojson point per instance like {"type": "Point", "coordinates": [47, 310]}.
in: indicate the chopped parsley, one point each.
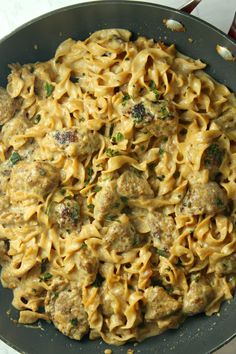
{"type": "Point", "coordinates": [219, 202]}
{"type": "Point", "coordinates": [37, 119]}
{"type": "Point", "coordinates": [164, 112]}
{"type": "Point", "coordinates": [111, 153]}
{"type": "Point", "coordinates": [74, 322]}
{"type": "Point", "coordinates": [46, 276]}
{"type": "Point", "coordinates": [74, 79]}
{"type": "Point", "coordinates": [89, 175]}
{"type": "Point", "coordinates": [153, 88]}
{"type": "Point", "coordinates": [74, 213]}
{"type": "Point", "coordinates": [111, 217]}
{"type": "Point", "coordinates": [162, 253]}
{"type": "Point", "coordinates": [15, 157]}
{"type": "Point", "coordinates": [90, 206]}
{"type": "Point", "coordinates": [49, 89]}
{"type": "Point", "coordinates": [42, 172]}
{"type": "Point", "coordinates": [161, 151]}
{"type": "Point", "coordinates": [126, 97]}
{"type": "Point", "coordinates": [176, 174]}
{"type": "Point", "coordinates": [138, 113]}
{"type": "Point", "coordinates": [97, 189]}
{"type": "Point", "coordinates": [83, 246]}
{"type": "Point", "coordinates": [118, 137]}
{"type": "Point", "coordinates": [124, 199]}
{"type": "Point", "coordinates": [136, 240]}
{"type": "Point", "coordinates": [98, 281]}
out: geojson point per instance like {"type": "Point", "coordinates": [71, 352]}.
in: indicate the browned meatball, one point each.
{"type": "Point", "coordinates": [16, 126]}
{"type": "Point", "coordinates": [73, 142]}
{"type": "Point", "coordinates": [162, 229]}
{"type": "Point", "coordinates": [32, 180]}
{"type": "Point", "coordinates": [207, 198]}
{"type": "Point", "coordinates": [7, 106]}
{"type": "Point", "coordinates": [66, 214]}
{"type": "Point", "coordinates": [159, 304]}
{"type": "Point", "coordinates": [132, 185]}
{"type": "Point", "coordinates": [105, 199]}
{"type": "Point", "coordinates": [226, 265]}
{"type": "Point", "coordinates": [87, 266]}
{"type": "Point", "coordinates": [197, 298]}
{"type": "Point", "coordinates": [120, 237]}
{"type": "Point", "coordinates": [64, 306]}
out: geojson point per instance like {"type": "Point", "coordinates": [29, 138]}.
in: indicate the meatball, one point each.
{"type": "Point", "coordinates": [120, 237]}
{"type": "Point", "coordinates": [66, 214]}
{"type": "Point", "coordinates": [226, 265]}
{"type": "Point", "coordinates": [159, 304]}
{"type": "Point", "coordinates": [197, 298]}
{"type": "Point", "coordinates": [162, 230]}
{"type": "Point", "coordinates": [16, 126]}
{"type": "Point", "coordinates": [105, 199]}
{"type": "Point", "coordinates": [131, 184]}
{"type": "Point", "coordinates": [32, 180]}
{"type": "Point", "coordinates": [207, 198]}
{"type": "Point", "coordinates": [73, 142]}
{"type": "Point", "coordinates": [87, 267]}
{"type": "Point", "coordinates": [7, 106]}
{"type": "Point", "coordinates": [64, 306]}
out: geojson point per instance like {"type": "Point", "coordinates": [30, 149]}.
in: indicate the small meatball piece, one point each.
{"type": "Point", "coordinates": [159, 304]}
{"type": "Point", "coordinates": [130, 184]}
{"type": "Point", "coordinates": [120, 237]}
{"type": "Point", "coordinates": [16, 126]}
{"type": "Point", "coordinates": [7, 106]}
{"type": "Point", "coordinates": [207, 198]}
{"type": "Point", "coordinates": [66, 214]}
{"type": "Point", "coordinates": [197, 298]}
{"type": "Point", "coordinates": [87, 267]}
{"type": "Point", "coordinates": [73, 142]}
{"type": "Point", "coordinates": [213, 158]}
{"type": "Point", "coordinates": [105, 200]}
{"type": "Point", "coordinates": [226, 265]}
{"type": "Point", "coordinates": [32, 180]}
{"type": "Point", "coordinates": [64, 306]}
{"type": "Point", "coordinates": [162, 229]}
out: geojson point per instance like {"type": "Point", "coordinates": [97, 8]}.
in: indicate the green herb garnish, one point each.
{"type": "Point", "coordinates": [111, 152]}
{"type": "Point", "coordinates": [118, 137]}
{"type": "Point", "coordinates": [164, 112]}
{"type": "Point", "coordinates": [153, 88]}
{"type": "Point", "coordinates": [126, 97]}
{"type": "Point", "coordinates": [89, 175]}
{"type": "Point", "coordinates": [15, 157]}
{"type": "Point", "coordinates": [49, 89]}
{"type": "Point", "coordinates": [124, 199]}
{"type": "Point", "coordinates": [42, 172]}
{"type": "Point", "coordinates": [46, 276]}
{"type": "Point", "coordinates": [74, 322]}
{"type": "Point", "coordinates": [37, 119]}
{"type": "Point", "coordinates": [219, 202]}
{"type": "Point", "coordinates": [90, 207]}
{"type": "Point", "coordinates": [97, 189]}
{"type": "Point", "coordinates": [213, 156]}
{"type": "Point", "coordinates": [111, 217]}
{"type": "Point", "coordinates": [74, 213]}
{"type": "Point", "coordinates": [162, 253]}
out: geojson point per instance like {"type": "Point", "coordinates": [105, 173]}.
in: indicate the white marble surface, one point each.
{"type": "Point", "coordinates": [14, 13]}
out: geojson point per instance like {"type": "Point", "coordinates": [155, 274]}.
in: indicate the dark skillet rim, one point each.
{"type": "Point", "coordinates": [126, 3]}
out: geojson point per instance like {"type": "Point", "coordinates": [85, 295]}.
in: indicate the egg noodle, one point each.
{"type": "Point", "coordinates": [118, 188]}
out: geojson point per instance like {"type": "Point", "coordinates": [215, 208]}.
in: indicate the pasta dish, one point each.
{"type": "Point", "coordinates": [118, 188]}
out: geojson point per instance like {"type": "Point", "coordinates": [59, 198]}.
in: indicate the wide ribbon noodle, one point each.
{"type": "Point", "coordinates": [118, 188]}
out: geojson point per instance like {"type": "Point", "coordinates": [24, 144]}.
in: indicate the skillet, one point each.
{"type": "Point", "coordinates": [37, 41]}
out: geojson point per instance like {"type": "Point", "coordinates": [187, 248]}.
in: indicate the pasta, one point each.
{"type": "Point", "coordinates": [118, 188]}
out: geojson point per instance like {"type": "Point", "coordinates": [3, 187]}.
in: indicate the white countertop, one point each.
{"type": "Point", "coordinates": [14, 13]}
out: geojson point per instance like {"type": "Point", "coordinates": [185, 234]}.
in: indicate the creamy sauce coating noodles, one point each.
{"type": "Point", "coordinates": [118, 188]}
